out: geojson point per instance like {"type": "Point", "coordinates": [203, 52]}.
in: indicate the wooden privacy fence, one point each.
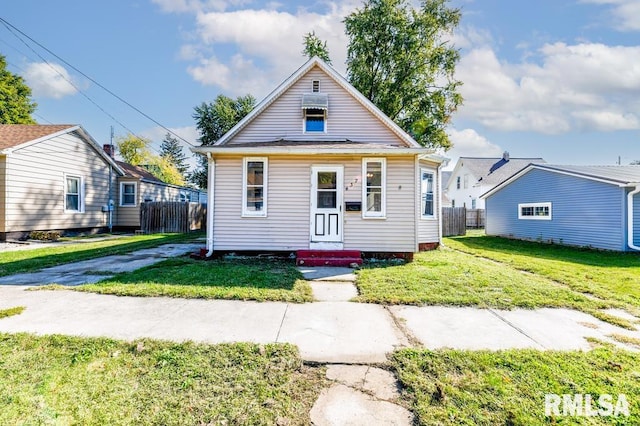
{"type": "Point", "coordinates": [475, 218]}
{"type": "Point", "coordinates": [164, 216]}
{"type": "Point", "coordinates": [454, 221]}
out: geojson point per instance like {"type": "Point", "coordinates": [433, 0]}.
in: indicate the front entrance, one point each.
{"type": "Point", "coordinates": [326, 206]}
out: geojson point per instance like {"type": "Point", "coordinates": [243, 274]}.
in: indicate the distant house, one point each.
{"type": "Point", "coordinates": [445, 201]}
{"type": "Point", "coordinates": [137, 185]}
{"type": "Point", "coordinates": [473, 176]}
{"type": "Point", "coordinates": [57, 177]}
{"type": "Point", "coordinates": [317, 166]}
{"type": "Point", "coordinates": [593, 206]}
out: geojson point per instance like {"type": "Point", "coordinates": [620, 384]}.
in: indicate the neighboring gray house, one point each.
{"type": "Point", "coordinates": [473, 176]}
{"type": "Point", "coordinates": [57, 177]}
{"type": "Point", "coordinates": [592, 206]}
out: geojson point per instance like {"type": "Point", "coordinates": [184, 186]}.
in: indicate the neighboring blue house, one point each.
{"type": "Point", "coordinates": [590, 206]}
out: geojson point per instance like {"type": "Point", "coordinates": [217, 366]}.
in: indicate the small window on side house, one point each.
{"type": "Point", "coordinates": [315, 86]}
{"type": "Point", "coordinates": [74, 194]}
{"type": "Point", "coordinates": [426, 193]}
{"type": "Point", "coordinates": [128, 194]}
{"type": "Point", "coordinates": [534, 211]}
{"type": "Point", "coordinates": [466, 181]}
{"type": "Point", "coordinates": [458, 182]}
{"type": "Point", "coordinates": [374, 187]}
{"type": "Point", "coordinates": [254, 187]}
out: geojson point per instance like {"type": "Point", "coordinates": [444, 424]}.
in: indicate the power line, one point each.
{"type": "Point", "coordinates": [9, 26]}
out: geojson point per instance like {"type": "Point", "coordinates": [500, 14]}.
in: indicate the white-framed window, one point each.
{"type": "Point", "coordinates": [458, 182]}
{"type": "Point", "coordinates": [466, 181]}
{"type": "Point", "coordinates": [473, 204]}
{"type": "Point", "coordinates": [128, 194]}
{"type": "Point", "coordinates": [315, 86]}
{"type": "Point", "coordinates": [315, 120]}
{"type": "Point", "coordinates": [254, 186]}
{"type": "Point", "coordinates": [73, 193]}
{"type": "Point", "coordinates": [374, 182]}
{"type": "Point", "coordinates": [427, 199]}
{"type": "Point", "coordinates": [534, 211]}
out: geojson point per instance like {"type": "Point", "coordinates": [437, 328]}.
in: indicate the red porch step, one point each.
{"type": "Point", "coordinates": [328, 257]}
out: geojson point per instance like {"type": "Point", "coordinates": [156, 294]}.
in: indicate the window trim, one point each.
{"type": "Point", "coordinates": [458, 182]}
{"type": "Point", "coordinates": [382, 214]}
{"type": "Point", "coordinates": [324, 121]}
{"type": "Point", "coordinates": [81, 193]}
{"type": "Point", "coordinates": [534, 205]}
{"type": "Point", "coordinates": [135, 194]}
{"type": "Point", "coordinates": [265, 175]}
{"type": "Point", "coordinates": [434, 175]}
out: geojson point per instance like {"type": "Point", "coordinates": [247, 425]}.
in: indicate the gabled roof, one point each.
{"type": "Point", "coordinates": [303, 70]}
{"type": "Point", "coordinates": [138, 172]}
{"type": "Point", "coordinates": [613, 174]}
{"type": "Point", "coordinates": [492, 171]}
{"type": "Point", "coordinates": [16, 136]}
{"type": "Point", "coordinates": [13, 135]}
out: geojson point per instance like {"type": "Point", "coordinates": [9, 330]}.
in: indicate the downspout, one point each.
{"type": "Point", "coordinates": [437, 201]}
{"type": "Point", "coordinates": [630, 218]}
{"type": "Point", "coordinates": [210, 200]}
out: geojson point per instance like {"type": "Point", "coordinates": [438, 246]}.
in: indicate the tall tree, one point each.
{"type": "Point", "coordinates": [135, 151]}
{"type": "Point", "coordinates": [635, 163]}
{"type": "Point", "coordinates": [16, 105]}
{"type": "Point", "coordinates": [313, 46]}
{"type": "Point", "coordinates": [400, 58]}
{"type": "Point", "coordinates": [171, 149]}
{"type": "Point", "coordinates": [213, 120]}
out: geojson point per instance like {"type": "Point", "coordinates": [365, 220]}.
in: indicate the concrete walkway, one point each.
{"type": "Point", "coordinates": [331, 330]}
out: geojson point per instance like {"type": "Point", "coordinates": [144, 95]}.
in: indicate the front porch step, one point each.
{"type": "Point", "coordinates": [328, 257]}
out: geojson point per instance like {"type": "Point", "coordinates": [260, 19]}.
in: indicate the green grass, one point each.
{"type": "Point", "coordinates": [604, 274]}
{"type": "Point", "coordinates": [251, 279]}
{"type": "Point", "coordinates": [448, 277]}
{"type": "Point", "coordinates": [19, 261]}
{"type": "Point", "coordinates": [67, 380]}
{"type": "Point", "coordinates": [5, 313]}
{"type": "Point", "coordinates": [450, 387]}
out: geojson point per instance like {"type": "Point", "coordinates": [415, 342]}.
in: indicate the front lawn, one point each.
{"type": "Point", "coordinates": [470, 271]}
{"type": "Point", "coordinates": [604, 274]}
{"type": "Point", "coordinates": [69, 380]}
{"type": "Point", "coordinates": [450, 387]}
{"type": "Point", "coordinates": [240, 279]}
{"type": "Point", "coordinates": [19, 261]}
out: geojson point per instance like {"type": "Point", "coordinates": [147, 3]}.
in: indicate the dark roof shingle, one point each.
{"type": "Point", "coordinates": [492, 171]}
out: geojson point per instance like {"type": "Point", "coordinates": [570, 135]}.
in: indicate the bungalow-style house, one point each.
{"type": "Point", "coordinates": [56, 177]}
{"type": "Point", "coordinates": [473, 176]}
{"type": "Point", "coordinates": [317, 166]}
{"type": "Point", "coordinates": [592, 206]}
{"type": "Point", "coordinates": [137, 185]}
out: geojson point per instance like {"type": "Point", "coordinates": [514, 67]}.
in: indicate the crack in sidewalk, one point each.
{"type": "Point", "coordinates": [284, 315]}
{"type": "Point", "coordinates": [518, 329]}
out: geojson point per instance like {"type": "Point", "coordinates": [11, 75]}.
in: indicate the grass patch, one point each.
{"type": "Point", "coordinates": [448, 277]}
{"type": "Point", "coordinates": [19, 261]}
{"type": "Point", "coordinates": [508, 387]}
{"type": "Point", "coordinates": [606, 275]}
{"type": "Point", "coordinates": [238, 279]}
{"type": "Point", "coordinates": [4, 313]}
{"type": "Point", "coordinates": [68, 380]}
{"type": "Point", "coordinates": [628, 340]}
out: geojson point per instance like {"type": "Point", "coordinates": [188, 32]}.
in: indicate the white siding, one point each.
{"type": "Point", "coordinates": [347, 118]}
{"type": "Point", "coordinates": [286, 226]}
{"type": "Point", "coordinates": [463, 197]}
{"type": "Point", "coordinates": [35, 185]}
{"type": "Point", "coordinates": [3, 203]}
{"type": "Point", "coordinates": [428, 231]}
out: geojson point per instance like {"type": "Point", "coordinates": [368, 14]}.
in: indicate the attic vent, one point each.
{"type": "Point", "coordinates": [315, 86]}
{"type": "Point", "coordinates": [315, 101]}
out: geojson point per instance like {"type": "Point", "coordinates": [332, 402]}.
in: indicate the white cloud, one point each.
{"type": "Point", "coordinates": [468, 143]}
{"type": "Point", "coordinates": [185, 6]}
{"type": "Point", "coordinates": [586, 86]}
{"type": "Point", "coordinates": [49, 80]}
{"type": "Point", "coordinates": [625, 13]}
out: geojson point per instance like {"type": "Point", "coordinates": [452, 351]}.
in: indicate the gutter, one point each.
{"type": "Point", "coordinates": [210, 200]}
{"type": "Point", "coordinates": [630, 217]}
{"type": "Point", "coordinates": [262, 150]}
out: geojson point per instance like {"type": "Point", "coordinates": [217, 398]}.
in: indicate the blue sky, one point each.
{"type": "Point", "coordinates": [552, 79]}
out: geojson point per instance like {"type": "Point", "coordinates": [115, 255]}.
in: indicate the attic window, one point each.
{"type": "Point", "coordinates": [314, 108]}
{"type": "Point", "coordinates": [315, 86]}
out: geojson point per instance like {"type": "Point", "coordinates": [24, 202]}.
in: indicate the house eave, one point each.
{"type": "Point", "coordinates": [216, 150]}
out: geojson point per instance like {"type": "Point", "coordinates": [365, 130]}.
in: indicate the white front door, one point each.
{"type": "Point", "coordinates": [326, 204]}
